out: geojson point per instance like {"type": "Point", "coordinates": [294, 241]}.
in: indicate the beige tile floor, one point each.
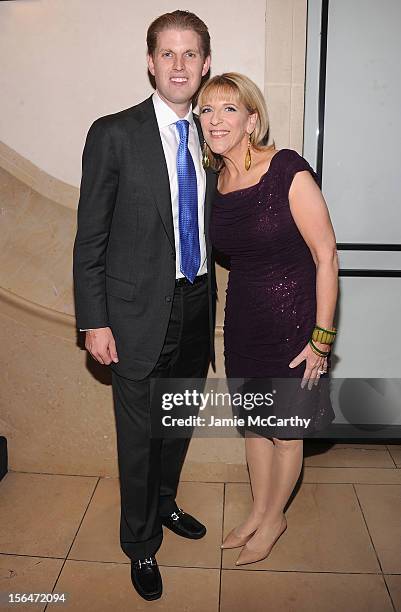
{"type": "Point", "coordinates": [342, 548]}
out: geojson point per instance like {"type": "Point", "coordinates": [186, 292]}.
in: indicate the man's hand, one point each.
{"type": "Point", "coordinates": [101, 345]}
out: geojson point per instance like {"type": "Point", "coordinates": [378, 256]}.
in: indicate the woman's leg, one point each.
{"type": "Point", "coordinates": [259, 457]}
{"type": "Point", "coordinates": [285, 471]}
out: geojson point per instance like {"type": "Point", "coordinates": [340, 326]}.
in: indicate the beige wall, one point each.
{"type": "Point", "coordinates": [285, 70]}
{"type": "Point", "coordinates": [67, 62]}
{"type": "Point", "coordinates": [55, 409]}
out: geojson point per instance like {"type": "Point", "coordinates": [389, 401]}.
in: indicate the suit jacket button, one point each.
{"type": "Point", "coordinates": [168, 298]}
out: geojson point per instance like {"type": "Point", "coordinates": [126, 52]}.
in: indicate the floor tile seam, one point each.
{"type": "Point", "coordinates": [326, 467]}
{"type": "Point", "coordinates": [389, 592]}
{"type": "Point", "coordinates": [383, 484]}
{"type": "Point", "coordinates": [392, 458]}
{"type": "Point", "coordinates": [220, 569]}
{"type": "Point", "coordinates": [347, 482]}
{"type": "Point", "coordinates": [246, 482]}
{"type": "Point", "coordinates": [217, 568]}
{"type": "Point", "coordinates": [203, 567]}
{"type": "Point", "coordinates": [58, 474]}
{"type": "Point", "coordinates": [220, 482]}
{"type": "Point", "coordinates": [73, 539]}
{"type": "Point", "coordinates": [352, 448]}
{"type": "Point", "coordinates": [367, 528]}
{"type": "Point", "coordinates": [127, 563]}
{"type": "Point", "coordinates": [17, 554]}
{"type": "Point", "coordinates": [221, 550]}
{"type": "Point", "coordinates": [352, 482]}
{"type": "Point", "coordinates": [290, 571]}
{"type": "Point", "coordinates": [336, 467]}
{"type": "Point", "coordinates": [353, 467]}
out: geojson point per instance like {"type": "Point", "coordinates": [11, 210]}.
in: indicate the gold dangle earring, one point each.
{"type": "Point", "coordinates": [205, 156]}
{"type": "Point", "coordinates": [248, 158]}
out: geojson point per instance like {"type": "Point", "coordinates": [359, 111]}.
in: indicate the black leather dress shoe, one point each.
{"type": "Point", "coordinates": [184, 525]}
{"type": "Point", "coordinates": [146, 578]}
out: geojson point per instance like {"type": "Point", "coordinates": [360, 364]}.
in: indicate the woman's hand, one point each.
{"type": "Point", "coordinates": [315, 365]}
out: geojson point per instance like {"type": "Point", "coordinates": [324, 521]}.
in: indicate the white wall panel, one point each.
{"type": "Point", "coordinates": [361, 171]}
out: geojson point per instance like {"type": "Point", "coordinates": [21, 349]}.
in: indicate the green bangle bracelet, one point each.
{"type": "Point", "coordinates": [329, 331]}
{"type": "Point", "coordinates": [318, 351]}
{"type": "Point", "coordinates": [319, 335]}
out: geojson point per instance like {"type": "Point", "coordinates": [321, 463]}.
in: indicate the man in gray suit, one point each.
{"type": "Point", "coordinates": [144, 278]}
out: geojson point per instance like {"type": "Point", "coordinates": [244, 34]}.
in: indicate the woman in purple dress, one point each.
{"type": "Point", "coordinates": [269, 217]}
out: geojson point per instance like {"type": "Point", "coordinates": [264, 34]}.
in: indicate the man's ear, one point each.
{"type": "Point", "coordinates": [206, 65]}
{"type": "Point", "coordinates": [151, 65]}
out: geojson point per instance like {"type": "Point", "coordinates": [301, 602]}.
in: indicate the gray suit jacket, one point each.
{"type": "Point", "coordinates": [124, 252]}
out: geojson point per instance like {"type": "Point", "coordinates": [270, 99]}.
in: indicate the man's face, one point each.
{"type": "Point", "coordinates": [178, 66]}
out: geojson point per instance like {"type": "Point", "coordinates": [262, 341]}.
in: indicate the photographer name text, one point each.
{"type": "Point", "coordinates": [258, 421]}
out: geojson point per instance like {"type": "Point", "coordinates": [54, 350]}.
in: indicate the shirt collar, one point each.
{"type": "Point", "coordinates": [165, 115]}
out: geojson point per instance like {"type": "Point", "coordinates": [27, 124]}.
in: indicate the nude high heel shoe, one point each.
{"type": "Point", "coordinates": [235, 541]}
{"type": "Point", "coordinates": [252, 556]}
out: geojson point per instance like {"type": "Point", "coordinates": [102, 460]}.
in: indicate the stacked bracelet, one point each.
{"type": "Point", "coordinates": [316, 350]}
{"type": "Point", "coordinates": [325, 336]}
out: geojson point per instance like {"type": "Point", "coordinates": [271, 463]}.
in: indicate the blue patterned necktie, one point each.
{"type": "Point", "coordinates": [187, 206]}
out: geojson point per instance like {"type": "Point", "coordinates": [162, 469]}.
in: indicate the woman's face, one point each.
{"type": "Point", "coordinates": [226, 124]}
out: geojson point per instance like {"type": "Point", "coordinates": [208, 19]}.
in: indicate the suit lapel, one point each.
{"type": "Point", "coordinates": [151, 150]}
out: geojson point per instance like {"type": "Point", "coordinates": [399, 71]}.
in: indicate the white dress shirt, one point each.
{"type": "Point", "coordinates": [166, 119]}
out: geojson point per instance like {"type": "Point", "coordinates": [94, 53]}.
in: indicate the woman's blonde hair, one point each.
{"type": "Point", "coordinates": [233, 85]}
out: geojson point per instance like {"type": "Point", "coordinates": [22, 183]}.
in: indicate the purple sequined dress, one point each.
{"type": "Point", "coordinates": [271, 296]}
